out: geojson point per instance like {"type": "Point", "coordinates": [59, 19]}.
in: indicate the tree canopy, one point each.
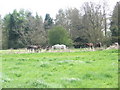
{"type": "Point", "coordinates": [58, 35]}
{"type": "Point", "coordinates": [115, 30]}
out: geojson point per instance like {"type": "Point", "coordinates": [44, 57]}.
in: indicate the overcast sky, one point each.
{"type": "Point", "coordinates": [45, 6]}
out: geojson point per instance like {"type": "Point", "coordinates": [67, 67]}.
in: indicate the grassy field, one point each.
{"type": "Point", "coordinates": [79, 69]}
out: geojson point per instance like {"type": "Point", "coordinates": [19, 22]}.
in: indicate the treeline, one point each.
{"type": "Point", "coordinates": [71, 27]}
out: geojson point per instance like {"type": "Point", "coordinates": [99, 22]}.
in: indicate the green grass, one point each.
{"type": "Point", "coordinates": [80, 69]}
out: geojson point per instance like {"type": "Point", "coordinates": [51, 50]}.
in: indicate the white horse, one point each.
{"type": "Point", "coordinates": [57, 46]}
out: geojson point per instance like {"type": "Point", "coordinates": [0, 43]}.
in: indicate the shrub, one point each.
{"type": "Point", "coordinates": [58, 35]}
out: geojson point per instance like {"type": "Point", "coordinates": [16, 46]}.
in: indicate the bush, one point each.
{"type": "Point", "coordinates": [58, 35]}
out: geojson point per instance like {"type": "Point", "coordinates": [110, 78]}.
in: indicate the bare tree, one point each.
{"type": "Point", "coordinates": [61, 19]}
{"type": "Point", "coordinates": [92, 22]}
{"type": "Point", "coordinates": [70, 19]}
{"type": "Point", "coordinates": [75, 22]}
{"type": "Point", "coordinates": [105, 16]}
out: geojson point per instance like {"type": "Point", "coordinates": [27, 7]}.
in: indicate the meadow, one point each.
{"type": "Point", "coordinates": [79, 69]}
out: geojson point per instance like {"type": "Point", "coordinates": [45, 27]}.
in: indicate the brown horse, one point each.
{"type": "Point", "coordinates": [91, 45]}
{"type": "Point", "coordinates": [98, 44]}
{"type": "Point", "coordinates": [34, 48]}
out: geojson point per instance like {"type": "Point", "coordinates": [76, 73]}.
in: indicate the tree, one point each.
{"type": "Point", "coordinates": [58, 35]}
{"type": "Point", "coordinates": [21, 28]}
{"type": "Point", "coordinates": [71, 20]}
{"type": "Point", "coordinates": [48, 22]}
{"type": "Point", "coordinates": [61, 19]}
{"type": "Point", "coordinates": [0, 33]}
{"type": "Point", "coordinates": [13, 23]}
{"type": "Point", "coordinates": [92, 22]}
{"type": "Point", "coordinates": [115, 23]}
{"type": "Point", "coordinates": [34, 32]}
{"type": "Point", "coordinates": [74, 19]}
{"type": "Point", "coordinates": [104, 8]}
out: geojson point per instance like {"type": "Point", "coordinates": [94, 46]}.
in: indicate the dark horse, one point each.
{"type": "Point", "coordinates": [91, 45]}
{"type": "Point", "coordinates": [98, 44]}
{"type": "Point", "coordinates": [34, 48]}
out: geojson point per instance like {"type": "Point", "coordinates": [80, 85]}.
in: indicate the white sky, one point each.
{"type": "Point", "coordinates": [45, 6]}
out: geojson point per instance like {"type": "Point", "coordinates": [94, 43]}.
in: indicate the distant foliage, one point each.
{"type": "Point", "coordinates": [0, 33]}
{"type": "Point", "coordinates": [58, 35]}
{"type": "Point", "coordinates": [48, 22]}
{"type": "Point", "coordinates": [21, 28]}
{"type": "Point", "coordinates": [114, 23]}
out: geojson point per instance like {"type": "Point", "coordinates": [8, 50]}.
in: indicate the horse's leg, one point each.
{"type": "Point", "coordinates": [27, 49]}
{"type": "Point", "coordinates": [92, 47]}
{"type": "Point", "coordinates": [32, 49]}
{"type": "Point", "coordinates": [37, 50]}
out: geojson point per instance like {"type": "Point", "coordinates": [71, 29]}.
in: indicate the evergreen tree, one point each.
{"type": "Point", "coordinates": [115, 23]}
{"type": "Point", "coordinates": [48, 22]}
{"type": "Point", "coordinates": [13, 24]}
{"type": "Point", "coordinates": [0, 33]}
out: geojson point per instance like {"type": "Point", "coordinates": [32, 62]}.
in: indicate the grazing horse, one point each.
{"type": "Point", "coordinates": [30, 48]}
{"type": "Point", "coordinates": [91, 45]}
{"type": "Point", "coordinates": [57, 46]}
{"type": "Point", "coordinates": [34, 48]}
{"type": "Point", "coordinates": [98, 44]}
